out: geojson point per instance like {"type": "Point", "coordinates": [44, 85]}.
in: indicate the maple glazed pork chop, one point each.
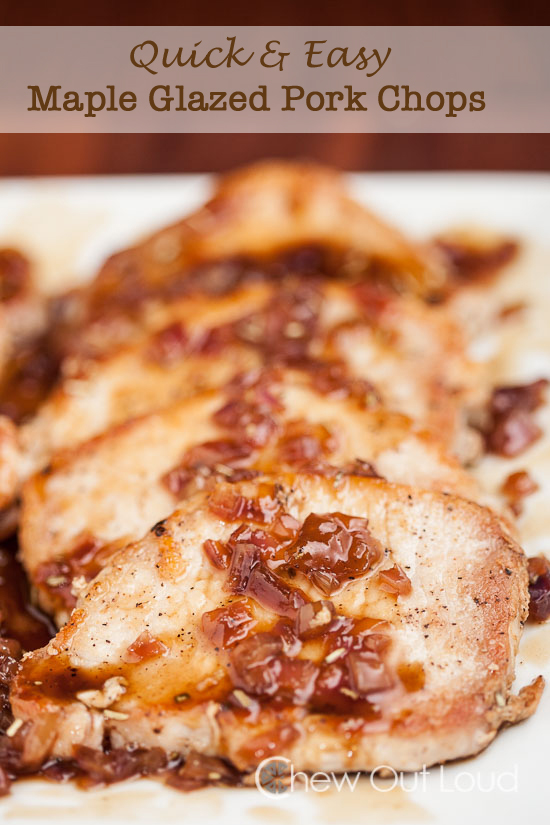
{"type": "Point", "coordinates": [411, 355]}
{"type": "Point", "coordinates": [343, 626]}
{"type": "Point", "coordinates": [112, 489]}
{"type": "Point", "coordinates": [260, 223]}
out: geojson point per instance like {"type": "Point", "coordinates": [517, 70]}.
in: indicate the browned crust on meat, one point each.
{"type": "Point", "coordinates": [270, 206]}
{"type": "Point", "coordinates": [127, 383]}
{"type": "Point", "coordinates": [475, 567]}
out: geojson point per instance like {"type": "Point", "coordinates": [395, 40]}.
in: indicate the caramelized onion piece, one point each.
{"type": "Point", "coordinates": [332, 378]}
{"type": "Point", "coordinates": [274, 593]}
{"type": "Point", "coordinates": [84, 560]}
{"type": "Point", "coordinates": [329, 549]}
{"type": "Point", "coordinates": [297, 680]}
{"type": "Point", "coordinates": [284, 528]}
{"type": "Point", "coordinates": [289, 323]}
{"type": "Point", "coordinates": [528, 397]}
{"type": "Point", "coordinates": [516, 487]}
{"type": "Point", "coordinates": [357, 634]}
{"type": "Point", "coordinates": [226, 626]}
{"type": "Point", "coordinates": [332, 549]}
{"type": "Point", "coordinates": [248, 414]}
{"type": "Point", "coordinates": [224, 451]}
{"type": "Point", "coordinates": [394, 580]}
{"type": "Point", "coordinates": [302, 444]}
{"type": "Point", "coordinates": [368, 674]}
{"type": "Point", "coordinates": [512, 428]}
{"type": "Point", "coordinates": [539, 588]}
{"type": "Point", "coordinates": [231, 506]}
{"type": "Point", "coordinates": [119, 763]}
{"type": "Point", "coordinates": [169, 344]}
{"type": "Point", "coordinates": [333, 693]}
{"type": "Point", "coordinates": [145, 647]}
{"type": "Point", "coordinates": [260, 667]}
{"type": "Point", "coordinates": [470, 262]}
{"type": "Point", "coordinates": [361, 468]}
{"type": "Point", "coordinates": [244, 558]}
{"type": "Point", "coordinates": [256, 664]}
{"type": "Point", "coordinates": [200, 770]}
{"type": "Point", "coordinates": [253, 424]}
{"type": "Point", "coordinates": [374, 299]}
{"type": "Point", "coordinates": [512, 434]}
{"type": "Point", "coordinates": [314, 619]}
{"type": "Point", "coordinates": [217, 554]}
{"type": "Point", "coordinates": [247, 574]}
{"type": "Point", "coordinates": [286, 629]}
{"type": "Point", "coordinates": [222, 459]}
{"type": "Point", "coordinates": [215, 340]}
{"type": "Point", "coordinates": [336, 692]}
{"type": "Point", "coordinates": [268, 546]}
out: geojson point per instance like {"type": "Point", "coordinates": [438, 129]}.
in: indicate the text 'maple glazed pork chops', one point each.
{"type": "Point", "coordinates": [341, 625]}
{"type": "Point", "coordinates": [110, 490]}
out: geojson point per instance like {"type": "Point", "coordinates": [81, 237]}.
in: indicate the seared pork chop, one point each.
{"type": "Point", "coordinates": [186, 352]}
{"type": "Point", "coordinates": [410, 353]}
{"type": "Point", "coordinates": [112, 489]}
{"type": "Point", "coordinates": [343, 626]}
{"type": "Point", "coordinates": [261, 222]}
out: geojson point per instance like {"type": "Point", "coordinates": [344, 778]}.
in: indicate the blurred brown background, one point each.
{"type": "Point", "coordinates": [104, 154]}
{"type": "Point", "coordinates": [88, 154]}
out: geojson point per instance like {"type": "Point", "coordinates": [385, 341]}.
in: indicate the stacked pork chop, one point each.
{"type": "Point", "coordinates": [245, 503]}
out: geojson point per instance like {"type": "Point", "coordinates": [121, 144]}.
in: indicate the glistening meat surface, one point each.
{"type": "Point", "coordinates": [361, 624]}
{"type": "Point", "coordinates": [110, 490]}
{"type": "Point", "coordinates": [409, 352]}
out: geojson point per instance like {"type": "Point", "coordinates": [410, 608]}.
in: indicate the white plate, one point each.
{"type": "Point", "coordinates": [69, 226]}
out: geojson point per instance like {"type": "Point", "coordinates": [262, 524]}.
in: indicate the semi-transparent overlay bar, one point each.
{"type": "Point", "coordinates": [275, 79]}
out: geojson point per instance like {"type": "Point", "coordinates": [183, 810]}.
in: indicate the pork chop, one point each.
{"type": "Point", "coordinates": [253, 226]}
{"type": "Point", "coordinates": [112, 489]}
{"type": "Point", "coordinates": [343, 626]}
{"type": "Point", "coordinates": [410, 352]}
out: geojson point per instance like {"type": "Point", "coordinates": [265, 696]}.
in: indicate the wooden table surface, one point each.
{"type": "Point", "coordinates": [103, 153]}
{"type": "Point", "coordinates": [106, 154]}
